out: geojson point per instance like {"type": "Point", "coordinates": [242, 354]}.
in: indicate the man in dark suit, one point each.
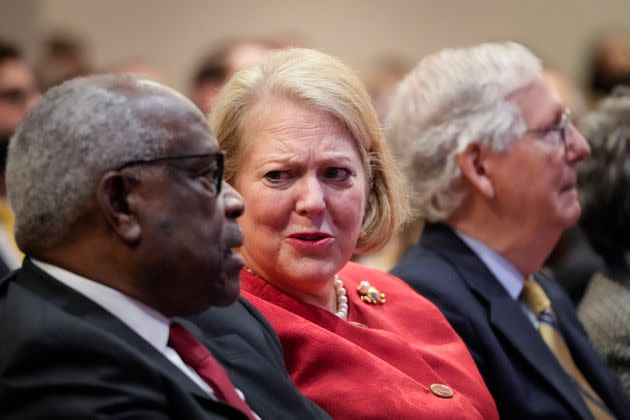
{"type": "Point", "coordinates": [127, 225]}
{"type": "Point", "coordinates": [492, 156]}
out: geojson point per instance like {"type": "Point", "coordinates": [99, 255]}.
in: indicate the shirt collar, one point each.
{"type": "Point", "coordinates": [510, 278]}
{"type": "Point", "coordinates": [145, 321]}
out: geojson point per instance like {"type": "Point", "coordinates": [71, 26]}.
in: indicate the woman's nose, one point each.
{"type": "Point", "coordinates": [311, 196]}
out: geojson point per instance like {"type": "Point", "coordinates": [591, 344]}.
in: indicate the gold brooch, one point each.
{"type": "Point", "coordinates": [370, 294]}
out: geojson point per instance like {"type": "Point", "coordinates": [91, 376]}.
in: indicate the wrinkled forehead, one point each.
{"type": "Point", "coordinates": [538, 103]}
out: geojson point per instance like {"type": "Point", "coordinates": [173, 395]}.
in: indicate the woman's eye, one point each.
{"type": "Point", "coordinates": [337, 174]}
{"type": "Point", "coordinates": [277, 176]}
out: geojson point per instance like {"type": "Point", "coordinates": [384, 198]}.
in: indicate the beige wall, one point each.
{"type": "Point", "coordinates": [172, 35]}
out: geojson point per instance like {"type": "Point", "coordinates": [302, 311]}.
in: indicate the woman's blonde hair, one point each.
{"type": "Point", "coordinates": [325, 83]}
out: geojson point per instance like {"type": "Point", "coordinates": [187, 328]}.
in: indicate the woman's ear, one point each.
{"type": "Point", "coordinates": [472, 163]}
{"type": "Point", "coordinates": [113, 195]}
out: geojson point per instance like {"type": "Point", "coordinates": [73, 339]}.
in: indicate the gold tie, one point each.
{"type": "Point", "coordinates": [536, 299]}
{"type": "Point", "coordinates": [8, 220]}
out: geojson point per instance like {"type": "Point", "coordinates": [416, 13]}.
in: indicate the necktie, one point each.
{"type": "Point", "coordinates": [8, 220]}
{"type": "Point", "coordinates": [198, 357]}
{"type": "Point", "coordinates": [536, 299]}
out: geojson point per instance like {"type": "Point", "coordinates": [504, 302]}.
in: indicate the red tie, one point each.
{"type": "Point", "coordinates": [198, 357]}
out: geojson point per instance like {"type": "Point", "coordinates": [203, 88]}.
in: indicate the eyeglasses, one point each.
{"type": "Point", "coordinates": [561, 128]}
{"type": "Point", "coordinates": [212, 173]}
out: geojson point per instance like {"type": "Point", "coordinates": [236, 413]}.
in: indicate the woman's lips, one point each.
{"type": "Point", "coordinates": [310, 240]}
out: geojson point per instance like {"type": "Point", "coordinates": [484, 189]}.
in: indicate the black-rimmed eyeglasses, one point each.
{"type": "Point", "coordinates": [212, 173]}
{"type": "Point", "coordinates": [561, 128]}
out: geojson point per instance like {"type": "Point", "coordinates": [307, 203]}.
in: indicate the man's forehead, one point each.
{"type": "Point", "coordinates": [538, 103]}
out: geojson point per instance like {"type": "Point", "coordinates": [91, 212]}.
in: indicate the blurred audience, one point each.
{"type": "Point", "coordinates": [18, 93]}
{"type": "Point", "coordinates": [605, 194]}
{"type": "Point", "coordinates": [64, 57]}
{"type": "Point", "coordinates": [381, 81]}
{"type": "Point", "coordinates": [222, 63]}
{"type": "Point", "coordinates": [305, 150]}
{"type": "Point", "coordinates": [492, 155]}
{"type": "Point", "coordinates": [608, 64]}
{"type": "Point", "coordinates": [136, 65]}
{"type": "Point", "coordinates": [126, 222]}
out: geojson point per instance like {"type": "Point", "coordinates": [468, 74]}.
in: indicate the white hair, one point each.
{"type": "Point", "coordinates": [449, 100]}
{"type": "Point", "coordinates": [74, 134]}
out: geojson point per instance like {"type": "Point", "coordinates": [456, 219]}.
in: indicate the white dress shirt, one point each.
{"type": "Point", "coordinates": [145, 321]}
{"type": "Point", "coordinates": [508, 276]}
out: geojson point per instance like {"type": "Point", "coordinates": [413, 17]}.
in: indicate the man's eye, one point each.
{"type": "Point", "coordinates": [208, 178]}
{"type": "Point", "coordinates": [337, 174]}
{"type": "Point", "coordinates": [553, 134]}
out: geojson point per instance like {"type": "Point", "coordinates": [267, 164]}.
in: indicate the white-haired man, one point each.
{"type": "Point", "coordinates": [122, 212]}
{"type": "Point", "coordinates": [492, 156]}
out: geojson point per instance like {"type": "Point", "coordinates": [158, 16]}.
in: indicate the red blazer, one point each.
{"type": "Point", "coordinates": [382, 361]}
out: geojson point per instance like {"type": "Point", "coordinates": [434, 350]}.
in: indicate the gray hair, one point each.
{"type": "Point", "coordinates": [449, 100]}
{"type": "Point", "coordinates": [604, 178]}
{"type": "Point", "coordinates": [74, 134]}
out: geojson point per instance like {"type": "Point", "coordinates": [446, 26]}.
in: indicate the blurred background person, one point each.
{"type": "Point", "coordinates": [604, 182]}
{"type": "Point", "coordinates": [381, 80]}
{"type": "Point", "coordinates": [221, 63]}
{"type": "Point", "coordinates": [608, 64]}
{"type": "Point", "coordinates": [304, 148]}
{"type": "Point", "coordinates": [492, 155]}
{"type": "Point", "coordinates": [64, 56]}
{"type": "Point", "coordinates": [18, 93]}
{"type": "Point", "coordinates": [137, 65]}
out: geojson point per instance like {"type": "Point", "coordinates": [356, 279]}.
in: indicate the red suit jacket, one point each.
{"type": "Point", "coordinates": [382, 361]}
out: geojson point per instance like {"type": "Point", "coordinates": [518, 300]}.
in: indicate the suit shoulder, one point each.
{"type": "Point", "coordinates": [426, 270]}
{"type": "Point", "coordinates": [239, 318]}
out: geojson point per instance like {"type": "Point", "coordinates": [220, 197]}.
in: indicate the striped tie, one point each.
{"type": "Point", "coordinates": [536, 299]}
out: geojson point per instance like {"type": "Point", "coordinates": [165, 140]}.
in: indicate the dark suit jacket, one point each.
{"type": "Point", "coordinates": [522, 374]}
{"type": "Point", "coordinates": [63, 356]}
{"type": "Point", "coordinates": [246, 344]}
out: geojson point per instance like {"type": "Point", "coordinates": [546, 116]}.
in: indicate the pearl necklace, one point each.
{"type": "Point", "coordinates": [340, 291]}
{"type": "Point", "coordinates": [342, 300]}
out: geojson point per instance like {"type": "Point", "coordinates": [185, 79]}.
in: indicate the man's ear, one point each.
{"type": "Point", "coordinates": [113, 194]}
{"type": "Point", "coordinates": [472, 164]}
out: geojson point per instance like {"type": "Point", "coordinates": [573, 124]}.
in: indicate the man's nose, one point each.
{"type": "Point", "coordinates": [233, 202]}
{"type": "Point", "coordinates": [577, 148]}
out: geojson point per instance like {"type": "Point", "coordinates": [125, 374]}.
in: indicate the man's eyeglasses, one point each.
{"type": "Point", "coordinates": [212, 173]}
{"type": "Point", "coordinates": [558, 130]}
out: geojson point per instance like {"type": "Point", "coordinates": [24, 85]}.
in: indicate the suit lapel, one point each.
{"type": "Point", "coordinates": [505, 314]}
{"type": "Point", "coordinates": [70, 301]}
